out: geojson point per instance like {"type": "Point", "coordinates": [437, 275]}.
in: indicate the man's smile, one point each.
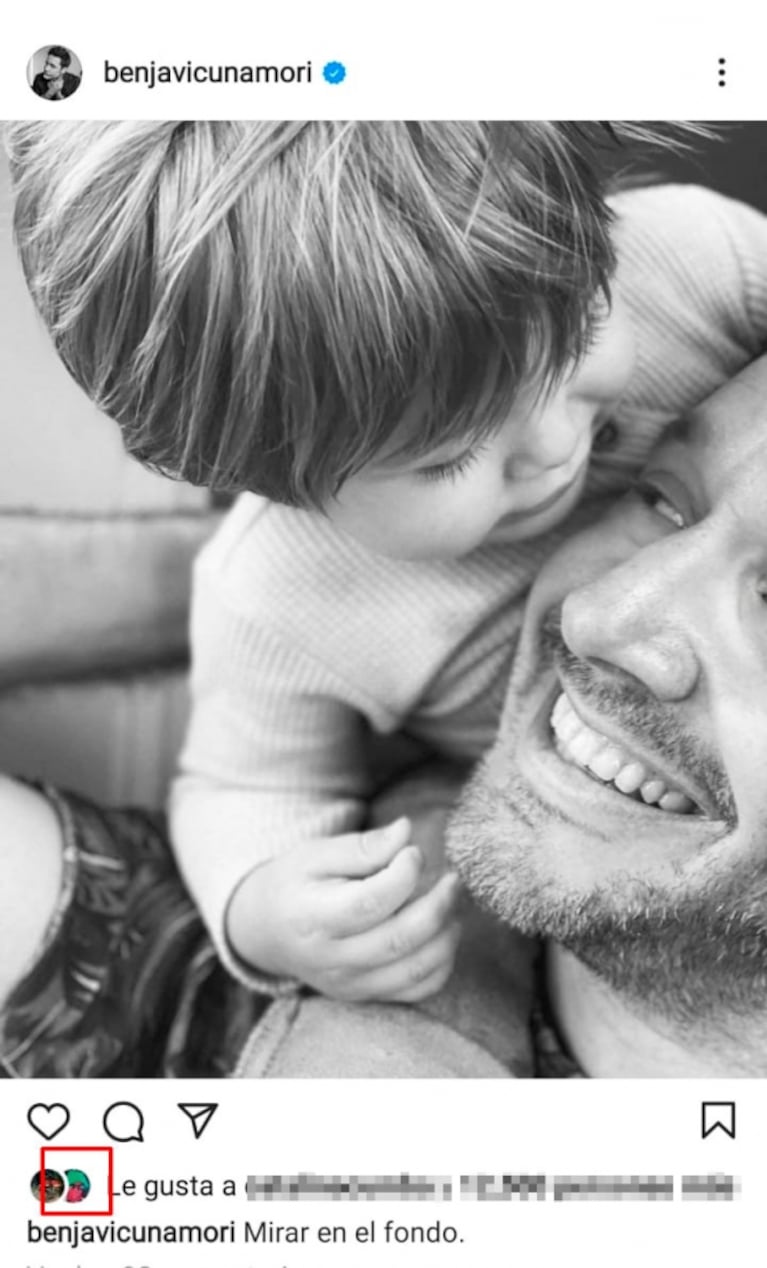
{"type": "Point", "coordinates": [605, 753]}
{"type": "Point", "coordinates": [614, 763]}
{"type": "Point", "coordinates": [628, 785]}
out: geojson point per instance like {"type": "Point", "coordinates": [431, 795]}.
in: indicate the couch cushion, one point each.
{"type": "Point", "coordinates": [87, 595]}
{"type": "Point", "coordinates": [114, 740]}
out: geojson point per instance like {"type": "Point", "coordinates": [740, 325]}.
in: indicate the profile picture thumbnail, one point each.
{"type": "Point", "coordinates": [54, 1185]}
{"type": "Point", "coordinates": [54, 72]}
{"type": "Point", "coordinates": [79, 1185]}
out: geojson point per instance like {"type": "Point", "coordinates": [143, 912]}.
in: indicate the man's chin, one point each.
{"type": "Point", "coordinates": [684, 951]}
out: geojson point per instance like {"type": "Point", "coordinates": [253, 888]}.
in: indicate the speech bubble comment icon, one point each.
{"type": "Point", "coordinates": [123, 1121]}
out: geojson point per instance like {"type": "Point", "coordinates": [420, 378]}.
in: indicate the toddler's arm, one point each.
{"type": "Point", "coordinates": [275, 766]}
{"type": "Point", "coordinates": [272, 760]}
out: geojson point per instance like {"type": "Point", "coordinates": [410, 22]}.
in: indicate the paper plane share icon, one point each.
{"type": "Point", "coordinates": [199, 1115]}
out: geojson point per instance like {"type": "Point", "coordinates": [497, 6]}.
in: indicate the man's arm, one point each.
{"type": "Point", "coordinates": [692, 267]}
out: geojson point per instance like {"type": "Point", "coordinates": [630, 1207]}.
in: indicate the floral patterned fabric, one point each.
{"type": "Point", "coordinates": [126, 983]}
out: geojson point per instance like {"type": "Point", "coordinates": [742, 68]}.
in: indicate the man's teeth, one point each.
{"type": "Point", "coordinates": [586, 748]}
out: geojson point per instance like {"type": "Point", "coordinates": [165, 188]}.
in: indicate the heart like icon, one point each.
{"type": "Point", "coordinates": [48, 1120]}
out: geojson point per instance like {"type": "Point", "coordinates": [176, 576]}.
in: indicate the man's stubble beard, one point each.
{"type": "Point", "coordinates": [690, 954]}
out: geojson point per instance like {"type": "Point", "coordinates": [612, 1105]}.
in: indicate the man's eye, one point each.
{"type": "Point", "coordinates": [657, 500]}
{"type": "Point", "coordinates": [449, 470]}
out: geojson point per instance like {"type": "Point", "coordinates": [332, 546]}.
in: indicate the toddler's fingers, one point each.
{"type": "Point", "coordinates": [410, 929]}
{"type": "Point", "coordinates": [426, 988]}
{"type": "Point", "coordinates": [420, 974]}
{"type": "Point", "coordinates": [359, 905]}
{"type": "Point", "coordinates": [358, 854]}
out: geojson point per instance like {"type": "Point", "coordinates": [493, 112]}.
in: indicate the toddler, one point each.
{"type": "Point", "coordinates": [419, 351]}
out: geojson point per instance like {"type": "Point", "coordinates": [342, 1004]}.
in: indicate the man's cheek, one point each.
{"type": "Point", "coordinates": [499, 759]}
{"type": "Point", "coordinates": [474, 810]}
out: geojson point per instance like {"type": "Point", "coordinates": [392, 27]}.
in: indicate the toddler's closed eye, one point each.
{"type": "Point", "coordinates": [452, 469]}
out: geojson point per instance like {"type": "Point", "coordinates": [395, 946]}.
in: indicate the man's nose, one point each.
{"type": "Point", "coordinates": [641, 616]}
{"type": "Point", "coordinates": [549, 440]}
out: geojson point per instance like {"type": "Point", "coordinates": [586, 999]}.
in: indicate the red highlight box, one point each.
{"type": "Point", "coordinates": [80, 1149]}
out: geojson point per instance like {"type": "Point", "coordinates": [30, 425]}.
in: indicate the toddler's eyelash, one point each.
{"type": "Point", "coordinates": [449, 470]}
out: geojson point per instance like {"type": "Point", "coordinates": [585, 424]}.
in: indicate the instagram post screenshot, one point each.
{"type": "Point", "coordinates": [383, 637]}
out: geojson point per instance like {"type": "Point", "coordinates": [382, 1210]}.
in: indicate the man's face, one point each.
{"type": "Point", "coordinates": [52, 68]}
{"type": "Point", "coordinates": [623, 809]}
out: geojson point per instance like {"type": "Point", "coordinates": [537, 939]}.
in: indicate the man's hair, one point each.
{"type": "Point", "coordinates": [63, 54]}
{"type": "Point", "coordinates": [258, 303]}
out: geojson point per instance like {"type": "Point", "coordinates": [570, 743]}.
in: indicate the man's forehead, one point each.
{"type": "Point", "coordinates": [726, 435]}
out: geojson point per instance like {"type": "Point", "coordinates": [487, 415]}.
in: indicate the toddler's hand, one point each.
{"type": "Point", "coordinates": [345, 916]}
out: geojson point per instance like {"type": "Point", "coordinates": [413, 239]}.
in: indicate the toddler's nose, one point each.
{"type": "Point", "coordinates": [551, 440]}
